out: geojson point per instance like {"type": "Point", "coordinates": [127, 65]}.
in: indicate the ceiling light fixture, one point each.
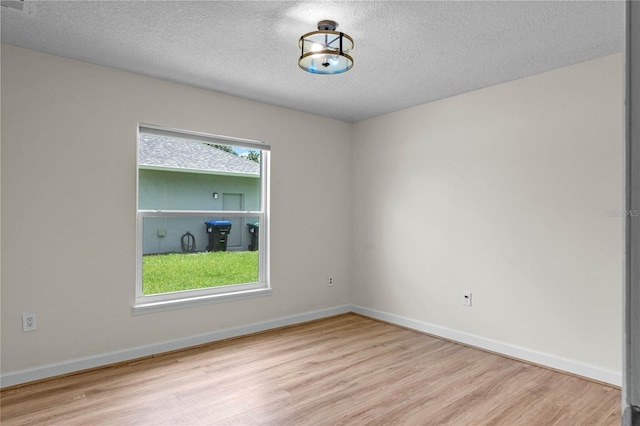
{"type": "Point", "coordinates": [325, 51]}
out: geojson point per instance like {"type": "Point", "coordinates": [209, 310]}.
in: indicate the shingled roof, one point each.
{"type": "Point", "coordinates": [165, 152]}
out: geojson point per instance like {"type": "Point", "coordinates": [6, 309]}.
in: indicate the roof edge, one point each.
{"type": "Point", "coordinates": [197, 171]}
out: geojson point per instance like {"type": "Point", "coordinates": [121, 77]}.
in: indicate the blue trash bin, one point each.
{"type": "Point", "coordinates": [218, 231]}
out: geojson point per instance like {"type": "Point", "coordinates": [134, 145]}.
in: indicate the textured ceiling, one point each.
{"type": "Point", "coordinates": [406, 53]}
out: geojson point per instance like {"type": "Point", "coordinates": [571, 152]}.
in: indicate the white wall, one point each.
{"type": "Point", "coordinates": [69, 203]}
{"type": "Point", "coordinates": [501, 192]}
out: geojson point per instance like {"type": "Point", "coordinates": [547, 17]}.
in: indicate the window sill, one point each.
{"type": "Point", "coordinates": [147, 308]}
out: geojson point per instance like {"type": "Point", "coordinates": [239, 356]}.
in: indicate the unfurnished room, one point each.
{"type": "Point", "coordinates": [320, 213]}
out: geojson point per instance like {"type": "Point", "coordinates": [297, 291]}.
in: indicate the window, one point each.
{"type": "Point", "coordinates": [202, 219]}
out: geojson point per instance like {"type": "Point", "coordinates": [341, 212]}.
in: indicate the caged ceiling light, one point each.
{"type": "Point", "coordinates": [325, 51]}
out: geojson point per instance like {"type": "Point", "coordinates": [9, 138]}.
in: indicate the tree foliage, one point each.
{"type": "Point", "coordinates": [225, 148]}
{"type": "Point", "coordinates": [249, 155]}
{"type": "Point", "coordinates": [253, 155]}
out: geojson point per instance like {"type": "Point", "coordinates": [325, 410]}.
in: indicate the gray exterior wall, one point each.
{"type": "Point", "coordinates": [168, 190]}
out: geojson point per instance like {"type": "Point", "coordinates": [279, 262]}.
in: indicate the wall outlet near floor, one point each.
{"type": "Point", "coordinates": [330, 281]}
{"type": "Point", "coordinates": [466, 298]}
{"type": "Point", "coordinates": [29, 322]}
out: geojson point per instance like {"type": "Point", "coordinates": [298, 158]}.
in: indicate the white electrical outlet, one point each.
{"type": "Point", "coordinates": [330, 281]}
{"type": "Point", "coordinates": [29, 322]}
{"type": "Point", "coordinates": [466, 298]}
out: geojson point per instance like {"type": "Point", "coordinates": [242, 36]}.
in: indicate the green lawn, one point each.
{"type": "Point", "coordinates": [167, 273]}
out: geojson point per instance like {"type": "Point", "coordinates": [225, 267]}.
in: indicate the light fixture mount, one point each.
{"type": "Point", "coordinates": [327, 25]}
{"type": "Point", "coordinates": [325, 51]}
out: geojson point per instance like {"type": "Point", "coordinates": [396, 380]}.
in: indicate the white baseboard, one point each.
{"type": "Point", "coordinates": [51, 370]}
{"type": "Point", "coordinates": [540, 358]}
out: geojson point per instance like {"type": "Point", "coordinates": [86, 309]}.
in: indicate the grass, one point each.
{"type": "Point", "coordinates": [167, 273]}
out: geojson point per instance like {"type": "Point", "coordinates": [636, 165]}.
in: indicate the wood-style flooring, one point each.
{"type": "Point", "coordinates": [341, 370]}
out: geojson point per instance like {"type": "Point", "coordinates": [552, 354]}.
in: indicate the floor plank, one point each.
{"type": "Point", "coordinates": [343, 370]}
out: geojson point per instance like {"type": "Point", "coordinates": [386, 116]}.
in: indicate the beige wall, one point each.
{"type": "Point", "coordinates": [69, 203]}
{"type": "Point", "coordinates": [502, 192]}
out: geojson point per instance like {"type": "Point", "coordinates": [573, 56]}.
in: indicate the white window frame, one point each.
{"type": "Point", "coordinates": [165, 301]}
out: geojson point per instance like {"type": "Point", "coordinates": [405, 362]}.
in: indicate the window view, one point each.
{"type": "Point", "coordinates": [201, 216]}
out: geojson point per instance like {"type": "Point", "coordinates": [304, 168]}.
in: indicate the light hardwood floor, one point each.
{"type": "Point", "coordinates": [341, 370]}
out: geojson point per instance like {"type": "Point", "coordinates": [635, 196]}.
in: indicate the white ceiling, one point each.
{"type": "Point", "coordinates": [406, 52]}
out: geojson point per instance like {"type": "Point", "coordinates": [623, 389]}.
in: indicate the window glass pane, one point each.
{"type": "Point", "coordinates": [192, 252]}
{"type": "Point", "coordinates": [195, 198]}
{"type": "Point", "coordinates": [183, 174]}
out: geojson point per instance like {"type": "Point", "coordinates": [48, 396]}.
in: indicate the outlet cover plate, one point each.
{"type": "Point", "coordinates": [29, 322]}
{"type": "Point", "coordinates": [466, 301]}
